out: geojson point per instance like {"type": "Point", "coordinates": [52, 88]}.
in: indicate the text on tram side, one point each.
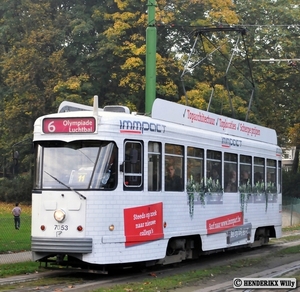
{"type": "Point", "coordinates": [141, 126]}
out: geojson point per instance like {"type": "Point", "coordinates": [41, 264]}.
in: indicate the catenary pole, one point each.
{"type": "Point", "coordinates": [150, 92]}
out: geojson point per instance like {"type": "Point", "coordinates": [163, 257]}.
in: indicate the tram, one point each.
{"type": "Point", "coordinates": [113, 187]}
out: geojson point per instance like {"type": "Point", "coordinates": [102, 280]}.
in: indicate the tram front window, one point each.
{"type": "Point", "coordinates": [78, 165]}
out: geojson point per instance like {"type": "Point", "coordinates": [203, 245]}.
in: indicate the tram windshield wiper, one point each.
{"type": "Point", "coordinates": [68, 187]}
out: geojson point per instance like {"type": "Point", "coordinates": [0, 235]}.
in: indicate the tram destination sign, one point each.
{"type": "Point", "coordinates": [69, 125]}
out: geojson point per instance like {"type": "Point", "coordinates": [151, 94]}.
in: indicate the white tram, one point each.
{"type": "Point", "coordinates": [100, 193]}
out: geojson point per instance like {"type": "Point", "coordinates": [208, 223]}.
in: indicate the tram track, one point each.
{"type": "Point", "coordinates": [280, 271]}
{"type": "Point", "coordinates": [91, 282]}
{"type": "Point", "coordinates": [285, 271]}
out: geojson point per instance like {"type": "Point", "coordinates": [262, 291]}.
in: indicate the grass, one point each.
{"type": "Point", "coordinates": [7, 270]}
{"type": "Point", "coordinates": [44, 283]}
{"type": "Point", "coordinates": [150, 284]}
{"type": "Point", "coordinates": [291, 228]}
{"type": "Point", "coordinates": [12, 240]}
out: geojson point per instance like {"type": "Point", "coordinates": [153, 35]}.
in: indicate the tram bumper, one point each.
{"type": "Point", "coordinates": [42, 247]}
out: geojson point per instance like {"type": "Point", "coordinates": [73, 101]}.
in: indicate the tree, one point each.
{"type": "Point", "coordinates": [272, 35]}
{"type": "Point", "coordinates": [58, 50]}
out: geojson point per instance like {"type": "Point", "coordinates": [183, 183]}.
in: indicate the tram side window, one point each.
{"type": "Point", "coordinates": [133, 162]}
{"type": "Point", "coordinates": [154, 166]}
{"type": "Point", "coordinates": [230, 172]}
{"type": "Point", "coordinates": [245, 172]}
{"type": "Point", "coordinates": [214, 170]}
{"type": "Point", "coordinates": [195, 165]}
{"type": "Point", "coordinates": [271, 176]}
{"type": "Point", "coordinates": [259, 173]}
{"type": "Point", "coordinates": [174, 168]}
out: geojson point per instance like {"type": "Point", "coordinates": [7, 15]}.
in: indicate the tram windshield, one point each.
{"type": "Point", "coordinates": [77, 164]}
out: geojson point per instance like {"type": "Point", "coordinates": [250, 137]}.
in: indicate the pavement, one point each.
{"type": "Point", "coordinates": [10, 258]}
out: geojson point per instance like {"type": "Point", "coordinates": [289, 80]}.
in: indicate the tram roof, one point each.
{"type": "Point", "coordinates": [179, 114]}
{"type": "Point", "coordinates": [196, 118]}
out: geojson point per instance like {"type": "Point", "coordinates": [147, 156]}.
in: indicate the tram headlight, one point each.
{"type": "Point", "coordinates": [60, 215]}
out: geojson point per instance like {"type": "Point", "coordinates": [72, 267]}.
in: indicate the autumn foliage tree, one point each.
{"type": "Point", "coordinates": [71, 50]}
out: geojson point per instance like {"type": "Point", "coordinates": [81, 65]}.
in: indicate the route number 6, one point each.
{"type": "Point", "coordinates": [51, 127]}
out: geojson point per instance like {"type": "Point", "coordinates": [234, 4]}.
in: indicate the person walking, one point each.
{"type": "Point", "coordinates": [16, 211]}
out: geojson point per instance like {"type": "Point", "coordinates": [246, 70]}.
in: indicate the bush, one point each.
{"type": "Point", "coordinates": [17, 189]}
{"type": "Point", "coordinates": [290, 185]}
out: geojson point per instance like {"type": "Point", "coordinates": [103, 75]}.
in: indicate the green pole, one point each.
{"type": "Point", "coordinates": [150, 92]}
